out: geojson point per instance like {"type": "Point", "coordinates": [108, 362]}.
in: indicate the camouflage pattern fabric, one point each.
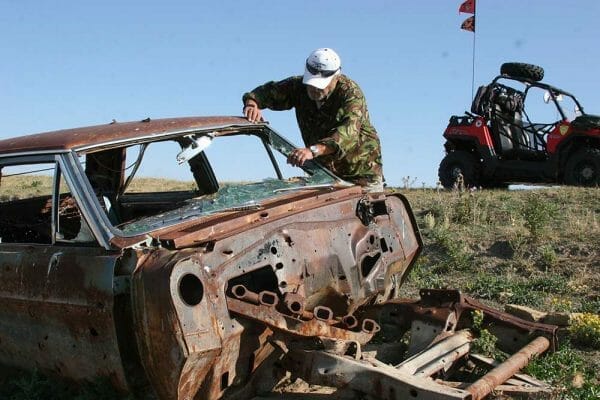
{"type": "Point", "coordinates": [342, 122]}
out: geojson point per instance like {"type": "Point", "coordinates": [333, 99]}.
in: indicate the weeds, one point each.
{"type": "Point", "coordinates": [538, 213]}
{"type": "Point", "coordinates": [532, 292]}
{"type": "Point", "coordinates": [566, 371]}
{"type": "Point", "coordinates": [485, 343]}
{"type": "Point", "coordinates": [422, 275]}
{"type": "Point", "coordinates": [548, 256]}
{"type": "Point", "coordinates": [585, 330]}
{"type": "Point", "coordinates": [537, 248]}
{"type": "Point", "coordinates": [458, 257]}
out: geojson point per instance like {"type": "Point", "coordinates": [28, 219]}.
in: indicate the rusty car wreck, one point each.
{"type": "Point", "coordinates": [217, 287]}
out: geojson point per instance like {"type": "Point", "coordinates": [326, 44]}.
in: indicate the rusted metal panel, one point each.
{"type": "Point", "coordinates": [98, 134]}
{"type": "Point", "coordinates": [219, 227]}
{"type": "Point", "coordinates": [379, 381]}
{"type": "Point", "coordinates": [56, 304]}
{"type": "Point", "coordinates": [311, 328]}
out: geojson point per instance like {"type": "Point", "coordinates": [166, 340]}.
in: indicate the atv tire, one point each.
{"type": "Point", "coordinates": [583, 168]}
{"type": "Point", "coordinates": [522, 70]}
{"type": "Point", "coordinates": [459, 162]}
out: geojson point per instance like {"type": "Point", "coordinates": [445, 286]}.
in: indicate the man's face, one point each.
{"type": "Point", "coordinates": [321, 94]}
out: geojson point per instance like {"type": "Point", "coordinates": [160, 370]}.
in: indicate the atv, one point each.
{"type": "Point", "coordinates": [521, 130]}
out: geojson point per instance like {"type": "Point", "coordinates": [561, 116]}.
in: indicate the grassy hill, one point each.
{"type": "Point", "coordinates": [539, 248]}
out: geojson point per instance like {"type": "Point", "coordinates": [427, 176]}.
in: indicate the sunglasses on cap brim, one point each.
{"type": "Point", "coordinates": [317, 71]}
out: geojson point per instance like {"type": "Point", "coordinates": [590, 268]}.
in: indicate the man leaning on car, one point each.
{"type": "Point", "coordinates": [332, 115]}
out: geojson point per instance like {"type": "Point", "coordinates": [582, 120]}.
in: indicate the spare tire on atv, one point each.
{"type": "Point", "coordinates": [522, 70]}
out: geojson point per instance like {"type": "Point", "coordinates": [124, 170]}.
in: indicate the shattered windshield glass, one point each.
{"type": "Point", "coordinates": [238, 171]}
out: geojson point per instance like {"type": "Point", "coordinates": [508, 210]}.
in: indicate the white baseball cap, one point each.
{"type": "Point", "coordinates": [321, 66]}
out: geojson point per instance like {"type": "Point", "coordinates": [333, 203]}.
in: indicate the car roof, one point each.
{"type": "Point", "coordinates": [91, 136]}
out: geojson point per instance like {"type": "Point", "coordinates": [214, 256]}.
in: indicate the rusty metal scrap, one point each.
{"type": "Point", "coordinates": [486, 384]}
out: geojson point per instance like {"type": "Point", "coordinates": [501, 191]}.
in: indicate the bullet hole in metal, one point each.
{"type": "Point", "coordinates": [283, 284]}
{"type": "Point", "coordinates": [289, 241]}
{"type": "Point", "coordinates": [227, 252]}
{"type": "Point", "coordinates": [264, 214]}
{"type": "Point", "coordinates": [371, 239]}
{"type": "Point", "coordinates": [191, 290]}
{"type": "Point", "coordinates": [273, 250]}
{"type": "Point", "coordinates": [279, 266]}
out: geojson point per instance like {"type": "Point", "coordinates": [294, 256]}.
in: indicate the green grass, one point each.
{"type": "Point", "coordinates": [568, 373]}
{"type": "Point", "coordinates": [539, 248]}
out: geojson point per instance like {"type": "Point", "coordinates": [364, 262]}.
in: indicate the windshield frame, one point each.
{"type": "Point", "coordinates": [271, 141]}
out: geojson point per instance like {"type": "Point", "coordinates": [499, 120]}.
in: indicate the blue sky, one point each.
{"type": "Point", "coordinates": [75, 63]}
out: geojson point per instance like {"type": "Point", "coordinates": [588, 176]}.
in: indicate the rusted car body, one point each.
{"type": "Point", "coordinates": [203, 288]}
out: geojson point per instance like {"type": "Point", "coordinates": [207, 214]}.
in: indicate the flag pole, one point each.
{"type": "Point", "coordinates": [473, 66]}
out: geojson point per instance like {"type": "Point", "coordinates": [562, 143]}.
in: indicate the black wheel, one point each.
{"type": "Point", "coordinates": [583, 168]}
{"type": "Point", "coordinates": [458, 163]}
{"type": "Point", "coordinates": [522, 70]}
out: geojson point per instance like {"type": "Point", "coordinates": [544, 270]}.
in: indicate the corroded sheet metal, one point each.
{"type": "Point", "coordinates": [203, 230]}
{"type": "Point", "coordinates": [379, 381]}
{"type": "Point", "coordinates": [98, 134]}
{"type": "Point", "coordinates": [56, 311]}
{"type": "Point", "coordinates": [200, 310]}
{"type": "Point", "coordinates": [311, 329]}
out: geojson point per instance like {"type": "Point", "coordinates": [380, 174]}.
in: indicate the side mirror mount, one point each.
{"type": "Point", "coordinates": [198, 145]}
{"type": "Point", "coordinates": [548, 97]}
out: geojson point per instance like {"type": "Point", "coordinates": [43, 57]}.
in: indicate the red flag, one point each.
{"type": "Point", "coordinates": [469, 24]}
{"type": "Point", "coordinates": [467, 7]}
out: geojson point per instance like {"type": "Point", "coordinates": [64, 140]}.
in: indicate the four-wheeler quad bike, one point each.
{"type": "Point", "coordinates": [521, 130]}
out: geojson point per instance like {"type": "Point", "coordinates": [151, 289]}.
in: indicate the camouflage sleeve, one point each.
{"type": "Point", "coordinates": [280, 95]}
{"type": "Point", "coordinates": [346, 135]}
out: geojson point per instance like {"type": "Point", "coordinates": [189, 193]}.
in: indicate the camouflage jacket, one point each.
{"type": "Point", "coordinates": [342, 122]}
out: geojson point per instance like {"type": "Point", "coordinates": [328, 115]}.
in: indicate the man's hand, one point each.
{"type": "Point", "coordinates": [298, 156]}
{"type": "Point", "coordinates": [252, 112]}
